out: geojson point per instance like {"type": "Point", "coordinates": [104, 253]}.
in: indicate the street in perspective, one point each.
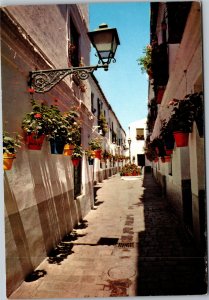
{"type": "Point", "coordinates": [104, 154]}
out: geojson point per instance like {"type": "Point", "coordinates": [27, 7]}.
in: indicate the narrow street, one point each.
{"type": "Point", "coordinates": [130, 244]}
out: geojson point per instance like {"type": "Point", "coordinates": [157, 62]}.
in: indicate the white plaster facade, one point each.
{"type": "Point", "coordinates": [113, 140]}
{"type": "Point", "coordinates": [183, 179]}
{"type": "Point", "coordinates": [40, 203]}
{"type": "Point", "coordinates": [137, 143]}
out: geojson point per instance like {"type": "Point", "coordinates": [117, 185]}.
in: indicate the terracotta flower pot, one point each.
{"type": "Point", "coordinates": [98, 153]}
{"type": "Point", "coordinates": [76, 161]}
{"type": "Point", "coordinates": [181, 138]}
{"type": "Point", "coordinates": [68, 149]}
{"type": "Point", "coordinates": [8, 160]}
{"type": "Point", "coordinates": [33, 142]}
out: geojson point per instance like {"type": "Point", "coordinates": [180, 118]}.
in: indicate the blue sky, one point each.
{"type": "Point", "coordinates": [124, 86]}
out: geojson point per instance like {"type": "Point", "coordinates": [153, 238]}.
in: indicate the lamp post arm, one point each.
{"type": "Point", "coordinates": [44, 80]}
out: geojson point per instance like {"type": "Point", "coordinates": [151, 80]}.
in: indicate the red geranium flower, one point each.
{"type": "Point", "coordinates": [38, 116]}
{"type": "Point", "coordinates": [31, 90]}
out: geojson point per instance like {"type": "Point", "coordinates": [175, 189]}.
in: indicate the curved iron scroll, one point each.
{"type": "Point", "coordinates": [44, 80]}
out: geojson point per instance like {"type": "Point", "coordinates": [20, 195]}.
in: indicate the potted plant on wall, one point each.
{"type": "Point", "coordinates": [96, 145]}
{"type": "Point", "coordinates": [35, 125]}
{"type": "Point", "coordinates": [196, 100]}
{"type": "Point", "coordinates": [106, 155]}
{"type": "Point", "coordinates": [167, 136]}
{"type": "Point", "coordinates": [181, 121]}
{"type": "Point", "coordinates": [10, 145]}
{"type": "Point", "coordinates": [90, 155]}
{"type": "Point", "coordinates": [150, 151]}
{"type": "Point", "coordinates": [57, 130]}
{"type": "Point", "coordinates": [77, 155]}
{"type": "Point", "coordinates": [73, 132]}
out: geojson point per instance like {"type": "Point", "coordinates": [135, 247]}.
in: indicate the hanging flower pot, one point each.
{"type": "Point", "coordinates": [98, 153]}
{"type": "Point", "coordinates": [76, 161]}
{"type": "Point", "coordinates": [8, 160]}
{"type": "Point", "coordinates": [68, 149]}
{"type": "Point", "coordinates": [181, 138]}
{"type": "Point", "coordinates": [57, 145]}
{"type": "Point", "coordinates": [34, 142]}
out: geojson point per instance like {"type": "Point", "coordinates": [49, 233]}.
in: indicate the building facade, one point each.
{"type": "Point", "coordinates": [107, 127]}
{"type": "Point", "coordinates": [137, 135]}
{"type": "Point", "coordinates": [45, 195]}
{"type": "Point", "coordinates": [176, 79]}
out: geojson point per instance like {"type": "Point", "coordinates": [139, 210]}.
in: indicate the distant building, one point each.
{"type": "Point", "coordinates": [137, 135]}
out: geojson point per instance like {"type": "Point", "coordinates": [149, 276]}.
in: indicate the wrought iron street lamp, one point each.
{"type": "Point", "coordinates": [105, 40]}
{"type": "Point", "coordinates": [129, 143]}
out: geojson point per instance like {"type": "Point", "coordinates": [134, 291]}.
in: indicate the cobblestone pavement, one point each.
{"type": "Point", "coordinates": [130, 244]}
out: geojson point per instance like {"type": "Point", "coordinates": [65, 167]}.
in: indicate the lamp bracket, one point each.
{"type": "Point", "coordinates": [44, 80]}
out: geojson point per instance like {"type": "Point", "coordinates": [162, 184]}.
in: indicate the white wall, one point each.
{"type": "Point", "coordinates": [137, 146]}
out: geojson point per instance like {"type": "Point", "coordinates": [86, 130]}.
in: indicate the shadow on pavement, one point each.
{"type": "Point", "coordinates": [64, 248]}
{"type": "Point", "coordinates": [35, 275]}
{"type": "Point", "coordinates": [168, 263]}
{"type": "Point", "coordinates": [82, 225]}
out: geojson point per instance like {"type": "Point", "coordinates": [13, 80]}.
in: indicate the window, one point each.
{"type": "Point", "coordinates": [92, 103]}
{"type": "Point", "coordinates": [98, 109]}
{"type": "Point", "coordinates": [73, 47]}
{"type": "Point", "coordinates": [140, 134]}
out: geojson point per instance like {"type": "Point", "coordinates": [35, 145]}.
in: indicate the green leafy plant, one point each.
{"type": "Point", "coordinates": [77, 152]}
{"type": "Point", "coordinates": [95, 143]}
{"type": "Point", "coordinates": [103, 124]}
{"type": "Point", "coordinates": [38, 120]}
{"type": "Point", "coordinates": [106, 154]}
{"type": "Point", "coordinates": [150, 151]}
{"type": "Point", "coordinates": [89, 153]}
{"type": "Point", "coordinates": [145, 60]}
{"type": "Point", "coordinates": [11, 142]}
{"type": "Point", "coordinates": [49, 120]}
{"type": "Point", "coordinates": [184, 113]}
{"type": "Point", "coordinates": [73, 127]}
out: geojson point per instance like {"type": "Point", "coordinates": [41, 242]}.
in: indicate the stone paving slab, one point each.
{"type": "Point", "coordinates": [153, 256]}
